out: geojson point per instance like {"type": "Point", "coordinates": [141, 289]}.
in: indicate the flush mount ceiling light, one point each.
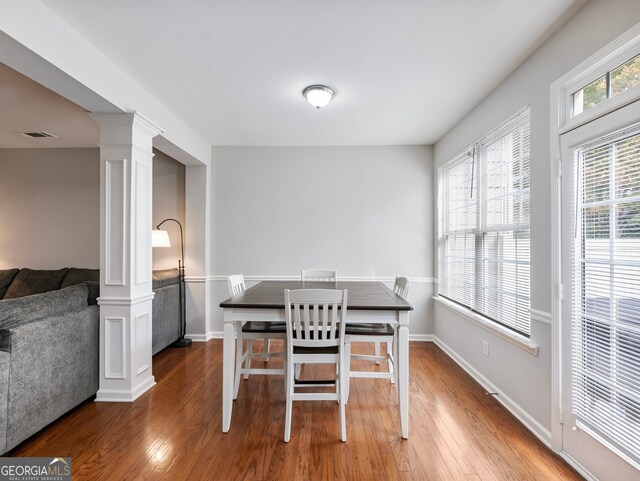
{"type": "Point", "coordinates": [318, 95]}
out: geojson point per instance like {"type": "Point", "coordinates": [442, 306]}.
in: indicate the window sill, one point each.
{"type": "Point", "coordinates": [517, 340]}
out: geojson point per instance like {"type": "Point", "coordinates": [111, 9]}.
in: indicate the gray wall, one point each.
{"type": "Point", "coordinates": [168, 202]}
{"type": "Point", "coordinates": [50, 207]}
{"type": "Point", "coordinates": [365, 211]}
{"type": "Point", "coordinates": [522, 377]}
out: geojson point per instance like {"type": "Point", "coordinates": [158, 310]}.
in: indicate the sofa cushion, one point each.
{"type": "Point", "coordinates": [165, 277]}
{"type": "Point", "coordinates": [78, 276]}
{"type": "Point", "coordinates": [32, 308]}
{"type": "Point", "coordinates": [6, 278]}
{"type": "Point", "coordinates": [29, 282]}
{"type": "Point", "coordinates": [94, 292]}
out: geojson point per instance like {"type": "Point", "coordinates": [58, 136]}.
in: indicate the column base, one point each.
{"type": "Point", "coordinates": [125, 396]}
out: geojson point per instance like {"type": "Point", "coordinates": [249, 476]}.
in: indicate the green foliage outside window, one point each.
{"type": "Point", "coordinates": [613, 83]}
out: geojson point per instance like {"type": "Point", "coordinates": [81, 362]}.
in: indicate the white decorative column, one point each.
{"type": "Point", "coordinates": [126, 183]}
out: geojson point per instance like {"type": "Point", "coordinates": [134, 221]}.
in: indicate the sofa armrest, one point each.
{"type": "Point", "coordinates": [166, 317]}
{"type": "Point", "coordinates": [53, 368]}
{"type": "Point", "coordinates": [4, 390]}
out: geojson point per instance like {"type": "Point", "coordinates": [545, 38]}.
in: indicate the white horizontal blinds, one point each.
{"type": "Point", "coordinates": [458, 261]}
{"type": "Point", "coordinates": [606, 308]}
{"type": "Point", "coordinates": [503, 168]}
{"type": "Point", "coordinates": [485, 257]}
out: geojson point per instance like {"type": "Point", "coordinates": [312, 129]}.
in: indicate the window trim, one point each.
{"type": "Point", "coordinates": [613, 55]}
{"type": "Point", "coordinates": [518, 340]}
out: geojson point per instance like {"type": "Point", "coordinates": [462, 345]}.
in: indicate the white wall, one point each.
{"type": "Point", "coordinates": [520, 376]}
{"type": "Point", "coordinates": [365, 211]}
{"type": "Point", "coordinates": [168, 202]}
{"type": "Point", "coordinates": [50, 207]}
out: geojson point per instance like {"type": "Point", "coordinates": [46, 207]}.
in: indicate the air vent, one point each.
{"type": "Point", "coordinates": [37, 135]}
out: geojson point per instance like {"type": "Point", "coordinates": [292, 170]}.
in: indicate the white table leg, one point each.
{"type": "Point", "coordinates": [229, 347]}
{"type": "Point", "coordinates": [402, 367]}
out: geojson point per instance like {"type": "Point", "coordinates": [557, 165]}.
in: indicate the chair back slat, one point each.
{"type": "Point", "coordinates": [401, 287]}
{"type": "Point", "coordinates": [235, 284]}
{"type": "Point", "coordinates": [318, 275]}
{"type": "Point", "coordinates": [315, 317]}
{"type": "Point", "coordinates": [324, 327]}
{"type": "Point", "coordinates": [297, 325]}
{"type": "Point", "coordinates": [307, 322]}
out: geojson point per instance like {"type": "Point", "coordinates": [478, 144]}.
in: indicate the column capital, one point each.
{"type": "Point", "coordinates": [120, 128]}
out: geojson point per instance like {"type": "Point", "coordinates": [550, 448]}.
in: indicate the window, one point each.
{"type": "Point", "coordinates": [606, 300]}
{"type": "Point", "coordinates": [612, 83]}
{"type": "Point", "coordinates": [484, 244]}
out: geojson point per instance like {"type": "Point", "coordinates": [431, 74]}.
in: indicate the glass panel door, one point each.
{"type": "Point", "coordinates": [601, 294]}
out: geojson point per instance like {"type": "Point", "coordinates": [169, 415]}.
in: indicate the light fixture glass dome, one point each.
{"type": "Point", "coordinates": [318, 95]}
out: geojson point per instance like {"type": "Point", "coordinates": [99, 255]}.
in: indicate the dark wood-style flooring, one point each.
{"type": "Point", "coordinates": [173, 432]}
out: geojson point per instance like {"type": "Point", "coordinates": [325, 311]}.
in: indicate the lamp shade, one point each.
{"type": "Point", "coordinates": [160, 238]}
{"type": "Point", "coordinates": [318, 95]}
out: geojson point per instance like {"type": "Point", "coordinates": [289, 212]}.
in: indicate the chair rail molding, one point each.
{"type": "Point", "coordinates": [540, 316]}
{"type": "Point", "coordinates": [256, 278]}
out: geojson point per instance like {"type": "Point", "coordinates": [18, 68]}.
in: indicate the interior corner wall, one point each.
{"type": "Point", "coordinates": [365, 211]}
{"type": "Point", "coordinates": [49, 208]}
{"type": "Point", "coordinates": [168, 202]}
{"type": "Point", "coordinates": [519, 376]}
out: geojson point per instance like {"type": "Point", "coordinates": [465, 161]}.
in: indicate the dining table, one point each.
{"type": "Point", "coordinates": [368, 302]}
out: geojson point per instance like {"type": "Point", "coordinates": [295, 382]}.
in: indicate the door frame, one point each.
{"type": "Point", "coordinates": [615, 53]}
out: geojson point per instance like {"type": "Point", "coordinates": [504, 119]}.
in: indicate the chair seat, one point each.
{"type": "Point", "coordinates": [264, 327]}
{"type": "Point", "coordinates": [315, 350]}
{"type": "Point", "coordinates": [369, 329]}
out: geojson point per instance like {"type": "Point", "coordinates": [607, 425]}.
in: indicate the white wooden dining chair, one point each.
{"type": "Point", "coordinates": [318, 275]}
{"type": "Point", "coordinates": [253, 330]}
{"type": "Point", "coordinates": [315, 323]}
{"type": "Point", "coordinates": [375, 333]}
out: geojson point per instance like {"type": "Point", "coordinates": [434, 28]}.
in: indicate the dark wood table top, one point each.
{"type": "Point", "coordinates": [363, 295]}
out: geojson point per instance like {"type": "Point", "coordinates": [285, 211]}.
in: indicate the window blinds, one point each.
{"type": "Point", "coordinates": [485, 233]}
{"type": "Point", "coordinates": [606, 307]}
{"type": "Point", "coordinates": [458, 279]}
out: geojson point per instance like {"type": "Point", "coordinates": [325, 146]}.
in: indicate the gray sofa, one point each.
{"type": "Point", "coordinates": [49, 343]}
{"type": "Point", "coordinates": [166, 309]}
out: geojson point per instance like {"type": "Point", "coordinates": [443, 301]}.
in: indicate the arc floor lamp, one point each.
{"type": "Point", "coordinates": [160, 238]}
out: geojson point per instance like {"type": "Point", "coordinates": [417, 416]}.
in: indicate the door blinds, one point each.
{"type": "Point", "coordinates": [485, 231]}
{"type": "Point", "coordinates": [606, 281]}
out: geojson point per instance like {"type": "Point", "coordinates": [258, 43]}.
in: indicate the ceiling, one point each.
{"type": "Point", "coordinates": [27, 106]}
{"type": "Point", "coordinates": [404, 72]}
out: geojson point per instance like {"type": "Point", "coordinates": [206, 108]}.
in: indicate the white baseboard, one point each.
{"type": "Point", "coordinates": [197, 337]}
{"type": "Point", "coordinates": [542, 433]}
{"type": "Point", "coordinates": [205, 337]}
{"type": "Point", "coordinates": [577, 466]}
{"type": "Point", "coordinates": [421, 338]}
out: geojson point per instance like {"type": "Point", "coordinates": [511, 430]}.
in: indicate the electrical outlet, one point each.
{"type": "Point", "coordinates": [485, 348]}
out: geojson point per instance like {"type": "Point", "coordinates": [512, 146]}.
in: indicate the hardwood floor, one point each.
{"type": "Point", "coordinates": [173, 432]}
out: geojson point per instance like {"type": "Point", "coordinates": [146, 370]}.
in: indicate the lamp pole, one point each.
{"type": "Point", "coordinates": [182, 342]}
